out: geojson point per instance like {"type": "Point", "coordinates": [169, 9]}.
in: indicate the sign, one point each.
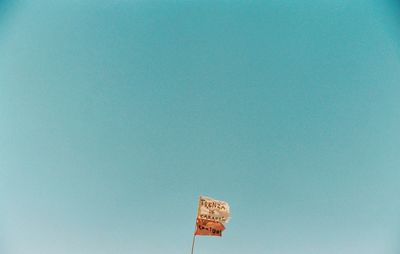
{"type": "Point", "coordinates": [213, 210]}
{"type": "Point", "coordinates": [207, 227]}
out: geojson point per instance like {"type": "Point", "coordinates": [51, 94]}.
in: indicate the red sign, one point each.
{"type": "Point", "coordinates": [208, 227]}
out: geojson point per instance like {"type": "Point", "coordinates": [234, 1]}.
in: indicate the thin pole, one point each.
{"type": "Point", "coordinates": [194, 238]}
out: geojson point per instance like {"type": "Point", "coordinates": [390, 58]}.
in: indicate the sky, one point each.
{"type": "Point", "coordinates": [115, 116]}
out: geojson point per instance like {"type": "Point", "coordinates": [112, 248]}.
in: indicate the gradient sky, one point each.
{"type": "Point", "coordinates": [116, 115]}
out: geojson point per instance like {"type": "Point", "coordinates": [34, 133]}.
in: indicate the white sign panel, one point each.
{"type": "Point", "coordinates": [212, 209]}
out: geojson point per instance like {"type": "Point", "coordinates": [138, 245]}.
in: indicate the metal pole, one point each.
{"type": "Point", "coordinates": [194, 238]}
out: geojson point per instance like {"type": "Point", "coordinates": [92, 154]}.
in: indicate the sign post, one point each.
{"type": "Point", "coordinates": [211, 216]}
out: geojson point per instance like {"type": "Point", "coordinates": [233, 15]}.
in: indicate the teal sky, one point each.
{"type": "Point", "coordinates": [116, 115]}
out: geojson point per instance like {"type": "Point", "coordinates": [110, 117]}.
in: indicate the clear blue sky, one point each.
{"type": "Point", "coordinates": [116, 115]}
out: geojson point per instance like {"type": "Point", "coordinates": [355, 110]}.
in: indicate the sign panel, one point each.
{"type": "Point", "coordinates": [207, 227]}
{"type": "Point", "coordinates": [213, 210]}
